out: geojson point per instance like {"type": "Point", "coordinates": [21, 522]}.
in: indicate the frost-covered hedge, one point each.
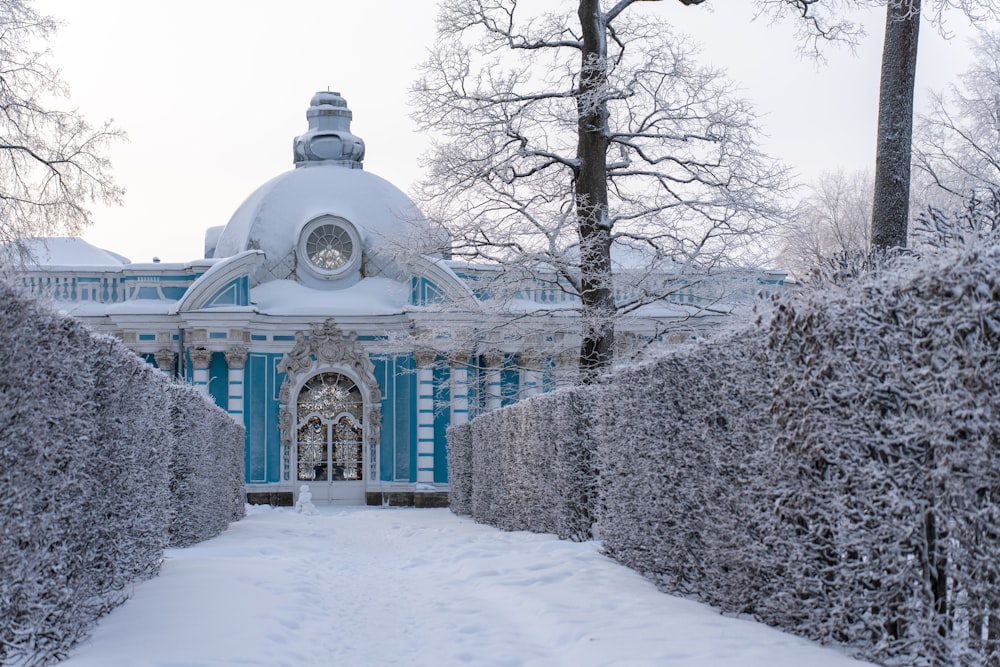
{"type": "Point", "coordinates": [886, 445]}
{"type": "Point", "coordinates": [206, 469]}
{"type": "Point", "coordinates": [90, 493]}
{"type": "Point", "coordinates": [834, 471]}
{"type": "Point", "coordinates": [460, 468]}
{"type": "Point", "coordinates": [541, 478]}
{"type": "Point", "coordinates": [684, 496]}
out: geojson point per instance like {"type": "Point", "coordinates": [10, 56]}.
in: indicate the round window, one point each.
{"type": "Point", "coordinates": [329, 246]}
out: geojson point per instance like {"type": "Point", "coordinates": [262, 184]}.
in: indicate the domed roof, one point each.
{"type": "Point", "coordinates": [328, 182]}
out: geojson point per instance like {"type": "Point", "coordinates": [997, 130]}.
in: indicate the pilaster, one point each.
{"type": "Point", "coordinates": [200, 360]}
{"type": "Point", "coordinates": [236, 357]}
{"type": "Point", "coordinates": [494, 379]}
{"type": "Point", "coordinates": [425, 418]}
{"type": "Point", "coordinates": [530, 368]}
{"type": "Point", "coordinates": [460, 387]}
{"type": "Point", "coordinates": [567, 369]}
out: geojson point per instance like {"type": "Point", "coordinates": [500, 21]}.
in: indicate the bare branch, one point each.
{"type": "Point", "coordinates": [52, 162]}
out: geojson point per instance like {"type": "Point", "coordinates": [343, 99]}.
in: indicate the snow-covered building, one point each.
{"type": "Point", "coordinates": [345, 359]}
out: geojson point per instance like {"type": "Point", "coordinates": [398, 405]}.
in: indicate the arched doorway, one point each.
{"type": "Point", "coordinates": [329, 438]}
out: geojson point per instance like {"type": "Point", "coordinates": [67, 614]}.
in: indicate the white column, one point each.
{"type": "Point", "coordinates": [165, 360]}
{"type": "Point", "coordinates": [425, 418]}
{"type": "Point", "coordinates": [494, 380]}
{"type": "Point", "coordinates": [460, 388]}
{"type": "Point", "coordinates": [236, 358]}
{"type": "Point", "coordinates": [200, 360]}
{"type": "Point", "coordinates": [530, 366]}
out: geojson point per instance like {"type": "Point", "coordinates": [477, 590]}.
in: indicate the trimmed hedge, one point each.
{"type": "Point", "coordinates": [540, 479]}
{"type": "Point", "coordinates": [459, 441]}
{"type": "Point", "coordinates": [90, 494]}
{"type": "Point", "coordinates": [886, 458]}
{"type": "Point", "coordinates": [834, 470]}
{"type": "Point", "coordinates": [683, 479]}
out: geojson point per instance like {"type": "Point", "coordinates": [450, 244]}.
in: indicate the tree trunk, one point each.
{"type": "Point", "coordinates": [591, 192]}
{"type": "Point", "coordinates": [890, 213]}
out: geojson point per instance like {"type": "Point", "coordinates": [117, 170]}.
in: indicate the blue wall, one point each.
{"type": "Point", "coordinates": [261, 385]}
{"type": "Point", "coordinates": [442, 418]}
{"type": "Point", "coordinates": [218, 380]}
{"type": "Point", "coordinates": [397, 379]}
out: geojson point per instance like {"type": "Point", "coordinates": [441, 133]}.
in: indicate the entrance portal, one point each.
{"type": "Point", "coordinates": [330, 448]}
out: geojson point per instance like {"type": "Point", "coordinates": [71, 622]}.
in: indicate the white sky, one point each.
{"type": "Point", "coordinates": [422, 588]}
{"type": "Point", "coordinates": [212, 93]}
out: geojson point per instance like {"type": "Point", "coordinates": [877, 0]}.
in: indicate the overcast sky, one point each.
{"type": "Point", "coordinates": [211, 93]}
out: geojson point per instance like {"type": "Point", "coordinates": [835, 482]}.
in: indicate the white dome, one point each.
{"type": "Point", "coordinates": [270, 219]}
{"type": "Point", "coordinates": [273, 218]}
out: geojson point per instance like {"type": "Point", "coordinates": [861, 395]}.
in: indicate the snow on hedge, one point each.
{"type": "Point", "coordinates": [540, 479]}
{"type": "Point", "coordinates": [682, 492]}
{"type": "Point", "coordinates": [886, 444]}
{"type": "Point", "coordinates": [459, 440]}
{"type": "Point", "coordinates": [833, 471]}
{"type": "Point", "coordinates": [90, 492]}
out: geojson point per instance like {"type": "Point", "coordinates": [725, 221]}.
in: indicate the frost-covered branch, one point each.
{"type": "Point", "coordinates": [556, 134]}
{"type": "Point", "coordinates": [52, 162]}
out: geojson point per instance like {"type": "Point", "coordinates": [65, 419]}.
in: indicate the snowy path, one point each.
{"type": "Point", "coordinates": [371, 586]}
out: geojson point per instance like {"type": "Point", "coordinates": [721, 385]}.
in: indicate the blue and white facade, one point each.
{"type": "Point", "coordinates": [345, 358]}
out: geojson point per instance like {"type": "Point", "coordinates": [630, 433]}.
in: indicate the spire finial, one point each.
{"type": "Point", "coordinates": [329, 139]}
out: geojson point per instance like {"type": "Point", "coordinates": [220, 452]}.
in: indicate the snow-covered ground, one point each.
{"type": "Point", "coordinates": [397, 586]}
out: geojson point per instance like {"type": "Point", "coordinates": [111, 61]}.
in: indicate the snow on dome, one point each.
{"type": "Point", "coordinates": [70, 251]}
{"type": "Point", "coordinates": [328, 181]}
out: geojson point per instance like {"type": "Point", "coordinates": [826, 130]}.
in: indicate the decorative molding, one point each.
{"type": "Point", "coordinates": [493, 359]}
{"type": "Point", "coordinates": [533, 361]}
{"type": "Point", "coordinates": [165, 360]}
{"type": "Point", "coordinates": [424, 358]}
{"type": "Point", "coordinates": [460, 358]}
{"type": "Point", "coordinates": [200, 357]}
{"type": "Point", "coordinates": [217, 276]}
{"type": "Point", "coordinates": [195, 336]}
{"type": "Point", "coordinates": [328, 350]}
{"type": "Point", "coordinates": [236, 356]}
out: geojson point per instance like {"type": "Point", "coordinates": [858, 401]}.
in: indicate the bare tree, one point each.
{"type": "Point", "coordinates": [52, 161]}
{"type": "Point", "coordinates": [832, 219]}
{"type": "Point", "coordinates": [957, 143]}
{"type": "Point", "coordinates": [578, 150]}
{"type": "Point", "coordinates": [890, 213]}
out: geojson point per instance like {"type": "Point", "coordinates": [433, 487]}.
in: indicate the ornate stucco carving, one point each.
{"type": "Point", "coordinates": [460, 358]}
{"type": "Point", "coordinates": [165, 360]}
{"type": "Point", "coordinates": [493, 359]}
{"type": "Point", "coordinates": [200, 357]}
{"type": "Point", "coordinates": [236, 356]}
{"type": "Point", "coordinates": [425, 358]}
{"type": "Point", "coordinates": [328, 350]}
{"type": "Point", "coordinates": [532, 361]}
{"type": "Point", "coordinates": [197, 336]}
